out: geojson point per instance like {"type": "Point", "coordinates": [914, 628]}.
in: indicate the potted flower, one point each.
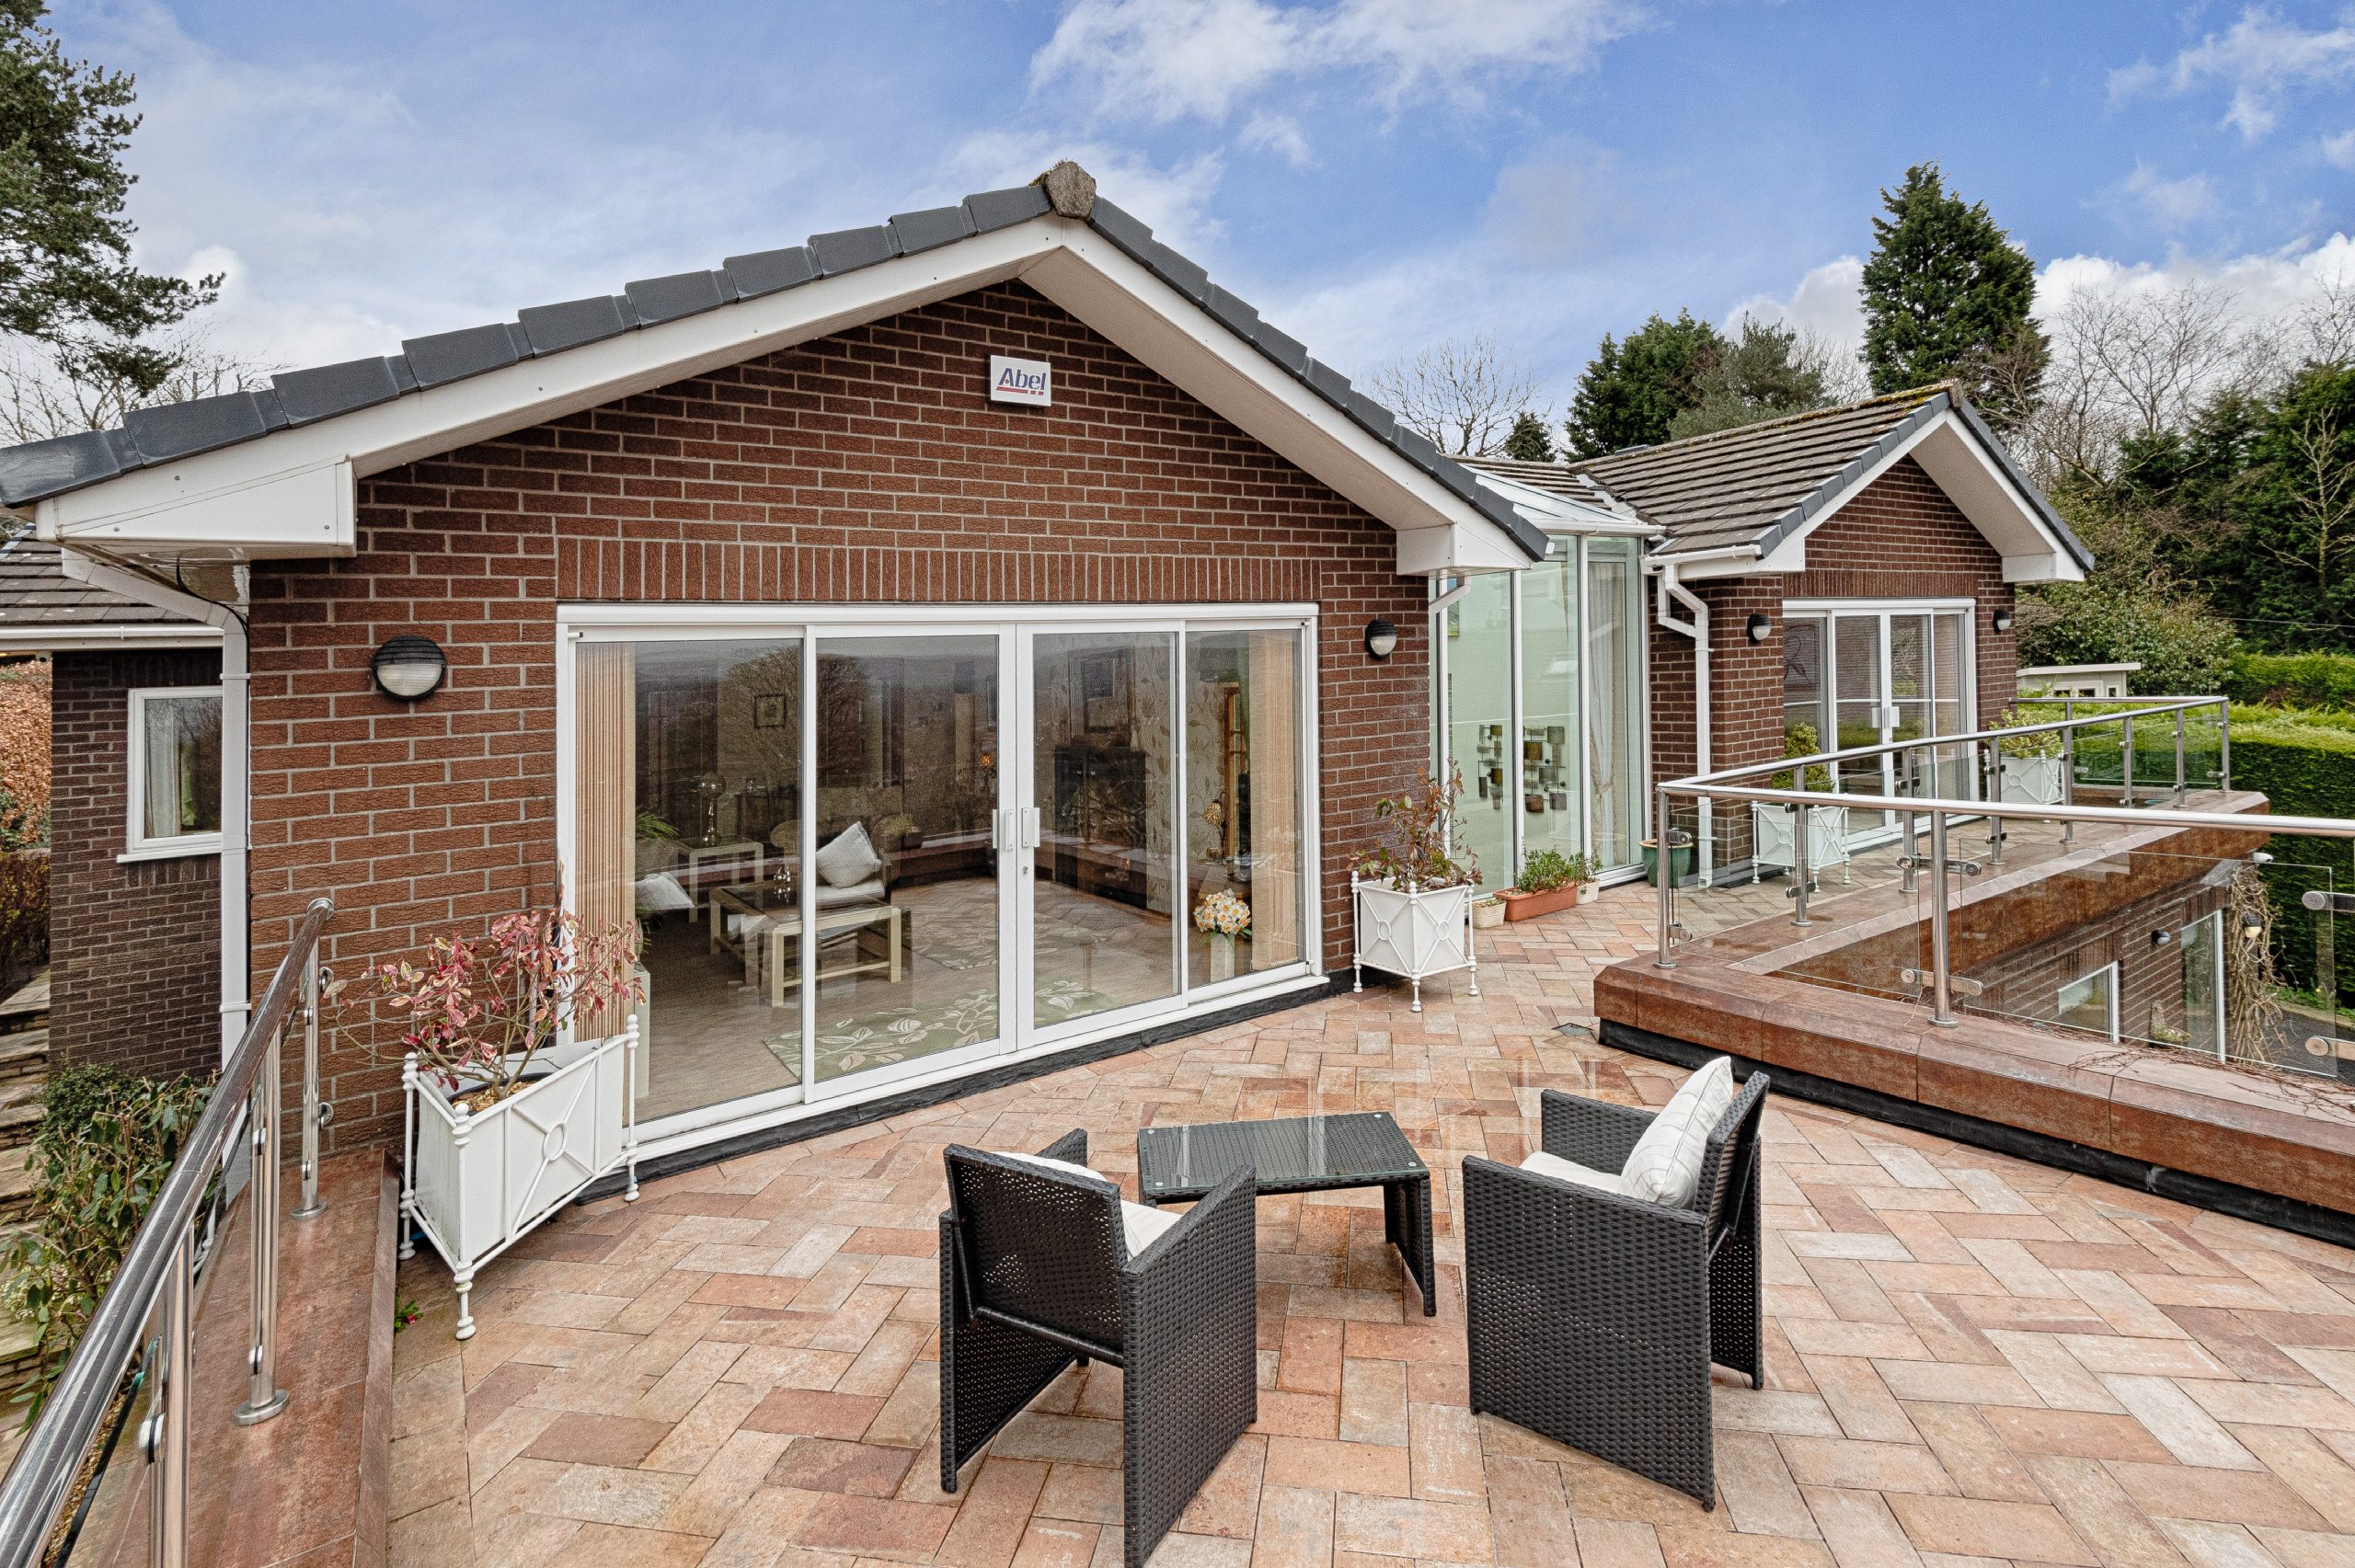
{"type": "Point", "coordinates": [1223, 916]}
{"type": "Point", "coordinates": [1549, 880]}
{"type": "Point", "coordinates": [510, 1113]}
{"type": "Point", "coordinates": [1775, 827]}
{"type": "Point", "coordinates": [2029, 762]}
{"type": "Point", "coordinates": [1412, 895]}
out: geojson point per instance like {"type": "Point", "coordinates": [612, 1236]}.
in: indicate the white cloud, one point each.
{"type": "Point", "coordinates": [2259, 288]}
{"type": "Point", "coordinates": [1278, 133]}
{"type": "Point", "coordinates": [1567, 199]}
{"type": "Point", "coordinates": [1165, 60]}
{"type": "Point", "coordinates": [1828, 305]}
{"type": "Point", "coordinates": [2340, 150]}
{"type": "Point", "coordinates": [2258, 58]}
{"type": "Point", "coordinates": [2172, 202]}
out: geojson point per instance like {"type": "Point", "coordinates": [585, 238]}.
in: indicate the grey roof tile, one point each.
{"type": "Point", "coordinates": [1003, 209]}
{"type": "Point", "coordinates": [35, 591]}
{"type": "Point", "coordinates": [847, 250]}
{"type": "Point", "coordinates": [1372, 415]}
{"type": "Point", "coordinates": [933, 228]}
{"type": "Point", "coordinates": [175, 430]}
{"type": "Point", "coordinates": [1239, 317]}
{"type": "Point", "coordinates": [1122, 228]}
{"type": "Point", "coordinates": [404, 373]}
{"type": "Point", "coordinates": [1179, 273]}
{"type": "Point", "coordinates": [330, 390]}
{"type": "Point", "coordinates": [1282, 347]}
{"type": "Point", "coordinates": [271, 407]}
{"type": "Point", "coordinates": [766, 271]}
{"type": "Point", "coordinates": [1330, 384]}
{"type": "Point", "coordinates": [554, 328]}
{"type": "Point", "coordinates": [680, 295]}
{"type": "Point", "coordinates": [44, 468]}
{"type": "Point", "coordinates": [446, 357]}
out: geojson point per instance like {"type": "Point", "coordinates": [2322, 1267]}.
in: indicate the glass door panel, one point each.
{"type": "Point", "coordinates": [1104, 886]}
{"type": "Point", "coordinates": [1615, 692]}
{"type": "Point", "coordinates": [1549, 707]}
{"type": "Point", "coordinates": [1805, 687]}
{"type": "Point", "coordinates": [902, 880]}
{"type": "Point", "coordinates": [1245, 877]}
{"type": "Point", "coordinates": [1948, 704]}
{"type": "Point", "coordinates": [1479, 717]}
{"type": "Point", "coordinates": [687, 767]}
{"type": "Point", "coordinates": [1858, 700]}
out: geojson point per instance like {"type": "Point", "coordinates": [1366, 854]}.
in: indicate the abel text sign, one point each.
{"type": "Point", "coordinates": [1021, 381]}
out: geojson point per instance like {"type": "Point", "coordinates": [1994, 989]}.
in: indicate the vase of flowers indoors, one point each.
{"type": "Point", "coordinates": [1412, 892]}
{"type": "Point", "coordinates": [516, 1099]}
{"type": "Point", "coordinates": [1224, 917]}
{"type": "Point", "coordinates": [2029, 765]}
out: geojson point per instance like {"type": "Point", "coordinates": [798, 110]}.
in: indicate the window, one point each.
{"type": "Point", "coordinates": [2090, 1002]}
{"type": "Point", "coordinates": [175, 762]}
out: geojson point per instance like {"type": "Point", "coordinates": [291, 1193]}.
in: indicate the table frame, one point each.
{"type": "Point", "coordinates": [785, 924]}
{"type": "Point", "coordinates": [1406, 1198]}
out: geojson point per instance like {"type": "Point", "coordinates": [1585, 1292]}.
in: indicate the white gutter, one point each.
{"type": "Point", "coordinates": [236, 743]}
{"type": "Point", "coordinates": [1698, 630]}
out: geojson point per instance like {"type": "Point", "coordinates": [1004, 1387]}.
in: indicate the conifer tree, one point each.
{"type": "Point", "coordinates": [1530, 442]}
{"type": "Point", "coordinates": [1630, 393]}
{"type": "Point", "coordinates": [1948, 297]}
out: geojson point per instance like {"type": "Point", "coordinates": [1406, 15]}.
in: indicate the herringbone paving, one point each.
{"type": "Point", "coordinates": [1972, 1360]}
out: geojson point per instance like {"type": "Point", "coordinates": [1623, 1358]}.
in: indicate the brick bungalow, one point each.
{"type": "Point", "coordinates": [945, 612]}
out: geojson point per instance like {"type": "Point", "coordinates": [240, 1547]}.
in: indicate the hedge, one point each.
{"type": "Point", "coordinates": [2293, 680]}
{"type": "Point", "coordinates": [2304, 765]}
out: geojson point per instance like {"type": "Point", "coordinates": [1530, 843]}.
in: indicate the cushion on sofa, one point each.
{"type": "Point", "coordinates": [1543, 1164]}
{"type": "Point", "coordinates": [1140, 1225]}
{"type": "Point", "coordinates": [1665, 1165]}
{"type": "Point", "coordinates": [848, 858]}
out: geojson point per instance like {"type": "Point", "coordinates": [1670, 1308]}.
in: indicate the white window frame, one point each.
{"type": "Point", "coordinates": [2110, 975]}
{"type": "Point", "coordinates": [137, 845]}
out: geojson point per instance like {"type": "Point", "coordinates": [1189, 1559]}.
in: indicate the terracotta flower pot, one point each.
{"type": "Point", "coordinates": [1520, 906]}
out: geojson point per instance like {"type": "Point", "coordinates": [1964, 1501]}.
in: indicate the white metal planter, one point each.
{"type": "Point", "coordinates": [1774, 839]}
{"type": "Point", "coordinates": [1426, 932]}
{"type": "Point", "coordinates": [477, 1183]}
{"type": "Point", "coordinates": [2032, 781]}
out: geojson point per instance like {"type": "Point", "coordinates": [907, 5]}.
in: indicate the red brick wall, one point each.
{"type": "Point", "coordinates": [1903, 539]}
{"type": "Point", "coordinates": [868, 467]}
{"type": "Point", "coordinates": [135, 949]}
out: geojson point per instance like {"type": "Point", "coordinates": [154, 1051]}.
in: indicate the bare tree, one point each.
{"type": "Point", "coordinates": [2327, 324]}
{"type": "Point", "coordinates": [1462, 396]}
{"type": "Point", "coordinates": [1842, 368]}
{"type": "Point", "coordinates": [42, 396]}
{"type": "Point", "coordinates": [2323, 490]}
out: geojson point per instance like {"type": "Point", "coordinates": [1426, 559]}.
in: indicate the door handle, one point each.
{"type": "Point", "coordinates": [1029, 827]}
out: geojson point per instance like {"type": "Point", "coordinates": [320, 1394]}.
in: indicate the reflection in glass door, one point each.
{"type": "Point", "coordinates": [1104, 888]}
{"type": "Point", "coordinates": [1552, 813]}
{"type": "Point", "coordinates": [1245, 802]}
{"type": "Point", "coordinates": [901, 886]}
{"type": "Point", "coordinates": [1614, 619]}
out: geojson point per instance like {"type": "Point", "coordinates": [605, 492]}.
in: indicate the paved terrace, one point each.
{"type": "Point", "coordinates": [1972, 1360]}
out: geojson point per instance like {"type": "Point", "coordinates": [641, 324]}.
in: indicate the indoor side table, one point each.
{"type": "Point", "coordinates": [1303, 1154]}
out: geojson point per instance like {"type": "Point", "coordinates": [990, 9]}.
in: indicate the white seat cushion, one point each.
{"type": "Point", "coordinates": [867, 892]}
{"type": "Point", "coordinates": [1665, 1165]}
{"type": "Point", "coordinates": [660, 893]}
{"type": "Point", "coordinates": [1140, 1226]}
{"type": "Point", "coordinates": [848, 859]}
{"type": "Point", "coordinates": [1543, 1164]}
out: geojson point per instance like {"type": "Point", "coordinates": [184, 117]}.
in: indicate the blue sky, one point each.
{"type": "Point", "coordinates": [1375, 174]}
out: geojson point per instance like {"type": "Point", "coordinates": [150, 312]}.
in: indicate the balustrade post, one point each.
{"type": "Point", "coordinates": [315, 977]}
{"type": "Point", "coordinates": [165, 1440]}
{"type": "Point", "coordinates": [2126, 762]}
{"type": "Point", "coordinates": [2178, 756]}
{"type": "Point", "coordinates": [264, 1398]}
{"type": "Point", "coordinates": [2224, 745]}
{"type": "Point", "coordinates": [1663, 869]}
{"type": "Point", "coordinates": [1941, 977]}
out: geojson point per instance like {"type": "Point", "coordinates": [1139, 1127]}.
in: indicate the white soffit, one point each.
{"type": "Point", "coordinates": [290, 494]}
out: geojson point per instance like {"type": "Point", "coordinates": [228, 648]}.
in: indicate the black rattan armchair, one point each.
{"type": "Point", "coordinates": [1593, 1317]}
{"type": "Point", "coordinates": [1035, 1275]}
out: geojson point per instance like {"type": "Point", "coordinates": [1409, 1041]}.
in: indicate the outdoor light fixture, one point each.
{"type": "Point", "coordinates": [408, 668]}
{"type": "Point", "coordinates": [1761, 624]}
{"type": "Point", "coordinates": [2161, 938]}
{"type": "Point", "coordinates": [2002, 619]}
{"type": "Point", "coordinates": [2252, 928]}
{"type": "Point", "coordinates": [1380, 638]}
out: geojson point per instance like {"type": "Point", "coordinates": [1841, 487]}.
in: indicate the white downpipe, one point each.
{"type": "Point", "coordinates": [237, 763]}
{"type": "Point", "coordinates": [1698, 630]}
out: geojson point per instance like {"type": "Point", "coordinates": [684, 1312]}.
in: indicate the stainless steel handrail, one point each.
{"type": "Point", "coordinates": [2158, 708]}
{"type": "Point", "coordinates": [158, 1268]}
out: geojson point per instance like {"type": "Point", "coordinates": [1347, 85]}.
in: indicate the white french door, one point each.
{"type": "Point", "coordinates": [869, 851]}
{"type": "Point", "coordinates": [1868, 674]}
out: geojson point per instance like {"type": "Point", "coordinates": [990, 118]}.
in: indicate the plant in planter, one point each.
{"type": "Point", "coordinates": [1549, 880]}
{"type": "Point", "coordinates": [2029, 765]}
{"type": "Point", "coordinates": [1775, 827]}
{"type": "Point", "coordinates": [1412, 893]}
{"type": "Point", "coordinates": [510, 1113]}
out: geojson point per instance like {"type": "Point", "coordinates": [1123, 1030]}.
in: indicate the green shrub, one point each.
{"type": "Point", "coordinates": [2325, 681]}
{"type": "Point", "coordinates": [1547, 870]}
{"type": "Point", "coordinates": [107, 1140]}
{"type": "Point", "coordinates": [2304, 765]}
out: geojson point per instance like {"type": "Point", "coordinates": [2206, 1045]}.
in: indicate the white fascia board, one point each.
{"type": "Point", "coordinates": [1959, 466]}
{"type": "Point", "coordinates": [1741, 566]}
{"type": "Point", "coordinates": [1453, 549]}
{"type": "Point", "coordinates": [1171, 335]}
{"type": "Point", "coordinates": [105, 640]}
{"type": "Point", "coordinates": [289, 473]}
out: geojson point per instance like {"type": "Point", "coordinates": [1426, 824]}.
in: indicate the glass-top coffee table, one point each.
{"type": "Point", "coordinates": [1302, 1154]}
